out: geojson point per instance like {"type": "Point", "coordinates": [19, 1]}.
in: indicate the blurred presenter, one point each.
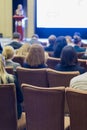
{"type": "Point", "coordinates": [19, 11]}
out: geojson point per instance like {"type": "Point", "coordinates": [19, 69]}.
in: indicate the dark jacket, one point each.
{"type": "Point", "coordinates": [15, 45]}
{"type": "Point", "coordinates": [60, 67]}
{"type": "Point", "coordinates": [18, 94]}
{"type": "Point", "coordinates": [79, 49]}
{"type": "Point", "coordinates": [25, 65]}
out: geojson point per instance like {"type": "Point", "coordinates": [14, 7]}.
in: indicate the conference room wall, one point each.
{"type": "Point", "coordinates": [6, 17]}
{"type": "Point", "coordinates": [31, 24]}
{"type": "Point", "coordinates": [6, 20]}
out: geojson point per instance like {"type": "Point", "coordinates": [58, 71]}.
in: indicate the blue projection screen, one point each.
{"type": "Point", "coordinates": [61, 17]}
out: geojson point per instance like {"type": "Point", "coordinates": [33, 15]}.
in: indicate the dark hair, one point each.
{"type": "Point", "coordinates": [77, 34]}
{"type": "Point", "coordinates": [68, 56]}
{"type": "Point", "coordinates": [52, 39]}
{"type": "Point", "coordinates": [59, 44]}
{"type": "Point", "coordinates": [16, 35]}
{"type": "Point", "coordinates": [35, 35]}
{"type": "Point", "coordinates": [77, 39]}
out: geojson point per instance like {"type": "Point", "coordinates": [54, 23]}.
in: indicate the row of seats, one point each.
{"type": "Point", "coordinates": [44, 108]}
{"type": "Point", "coordinates": [51, 61]}
{"type": "Point", "coordinates": [45, 77]}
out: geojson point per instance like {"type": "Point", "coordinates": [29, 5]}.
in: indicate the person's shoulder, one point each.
{"type": "Point", "coordinates": [16, 63]}
{"type": "Point", "coordinates": [80, 69]}
{"type": "Point", "coordinates": [57, 67]}
{"type": "Point", "coordinates": [10, 78]}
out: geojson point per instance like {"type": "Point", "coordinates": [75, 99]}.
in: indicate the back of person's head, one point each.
{"type": "Point", "coordinates": [3, 74]}
{"type": "Point", "coordinates": [77, 34]}
{"type": "Point", "coordinates": [68, 39]}
{"type": "Point", "coordinates": [61, 41]}
{"type": "Point", "coordinates": [68, 56]}
{"type": "Point", "coordinates": [59, 44]}
{"type": "Point", "coordinates": [77, 39]}
{"type": "Point", "coordinates": [36, 55]}
{"type": "Point", "coordinates": [16, 35]}
{"type": "Point", "coordinates": [23, 50]}
{"type": "Point", "coordinates": [8, 52]}
{"type": "Point", "coordinates": [19, 6]}
{"type": "Point", "coordinates": [35, 36]}
{"type": "Point", "coordinates": [52, 39]}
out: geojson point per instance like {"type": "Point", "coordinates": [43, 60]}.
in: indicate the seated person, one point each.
{"type": "Point", "coordinates": [35, 39]}
{"type": "Point", "coordinates": [69, 40]}
{"type": "Point", "coordinates": [8, 53]}
{"type": "Point", "coordinates": [77, 34]}
{"type": "Point", "coordinates": [79, 82]}
{"type": "Point", "coordinates": [51, 43]}
{"type": "Point", "coordinates": [77, 46]}
{"type": "Point", "coordinates": [35, 58]}
{"type": "Point", "coordinates": [15, 43]}
{"type": "Point", "coordinates": [69, 61]}
{"type": "Point", "coordinates": [6, 78]}
{"type": "Point", "coordinates": [59, 45]}
{"type": "Point", "coordinates": [22, 51]}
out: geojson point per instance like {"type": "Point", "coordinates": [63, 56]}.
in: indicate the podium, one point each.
{"type": "Point", "coordinates": [18, 25]}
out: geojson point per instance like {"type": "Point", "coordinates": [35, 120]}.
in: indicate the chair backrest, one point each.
{"type": "Point", "coordinates": [60, 78]}
{"type": "Point", "coordinates": [9, 69]}
{"type": "Point", "coordinates": [80, 54]}
{"type": "Point", "coordinates": [77, 103]}
{"type": "Point", "coordinates": [36, 77]}
{"type": "Point", "coordinates": [8, 112]}
{"type": "Point", "coordinates": [44, 107]}
{"type": "Point", "coordinates": [52, 62]}
{"type": "Point", "coordinates": [83, 63]}
{"type": "Point", "coordinates": [19, 59]}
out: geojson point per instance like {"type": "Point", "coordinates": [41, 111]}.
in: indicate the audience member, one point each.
{"type": "Point", "coordinates": [35, 57]}
{"type": "Point", "coordinates": [8, 53]}
{"type": "Point", "coordinates": [22, 51]}
{"type": "Point", "coordinates": [77, 46]}
{"type": "Point", "coordinates": [51, 43]}
{"type": "Point", "coordinates": [79, 82]}
{"type": "Point", "coordinates": [69, 61]}
{"type": "Point", "coordinates": [35, 39]}
{"type": "Point", "coordinates": [59, 44]}
{"type": "Point", "coordinates": [77, 34]}
{"type": "Point", "coordinates": [15, 43]}
{"type": "Point", "coordinates": [69, 40]}
{"type": "Point", "coordinates": [6, 78]}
